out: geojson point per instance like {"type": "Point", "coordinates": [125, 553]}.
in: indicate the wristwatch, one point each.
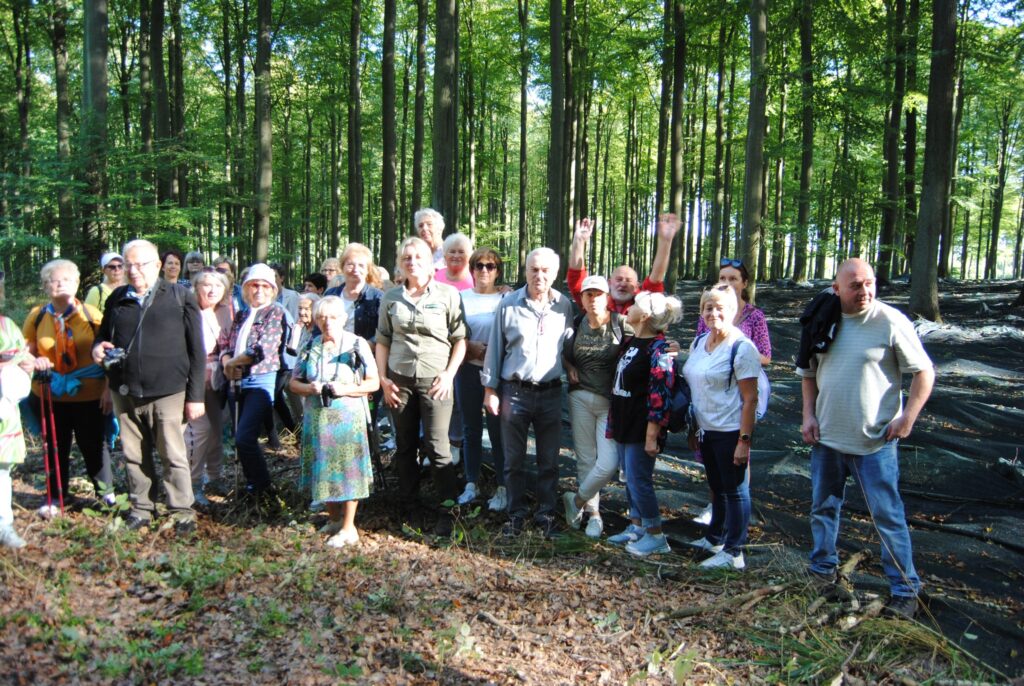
{"type": "Point", "coordinates": [745, 438]}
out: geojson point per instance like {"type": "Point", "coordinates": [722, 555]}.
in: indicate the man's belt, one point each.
{"type": "Point", "coordinates": [533, 385]}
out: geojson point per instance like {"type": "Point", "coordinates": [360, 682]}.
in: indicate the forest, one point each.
{"type": "Point", "coordinates": [793, 134]}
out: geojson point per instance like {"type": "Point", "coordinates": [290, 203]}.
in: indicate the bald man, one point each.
{"type": "Point", "coordinates": [624, 283]}
{"type": "Point", "coordinates": [853, 416]}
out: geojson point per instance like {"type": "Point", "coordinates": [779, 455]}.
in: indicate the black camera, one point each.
{"type": "Point", "coordinates": [113, 358]}
{"type": "Point", "coordinates": [326, 395]}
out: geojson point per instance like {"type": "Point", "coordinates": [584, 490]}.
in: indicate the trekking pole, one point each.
{"type": "Point", "coordinates": [46, 438]}
{"type": "Point", "coordinates": [55, 453]}
{"type": "Point", "coordinates": [50, 449]}
{"type": "Point", "coordinates": [235, 388]}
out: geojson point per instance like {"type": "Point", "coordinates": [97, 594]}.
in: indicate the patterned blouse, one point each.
{"type": "Point", "coordinates": [641, 391]}
{"type": "Point", "coordinates": [266, 338]}
{"type": "Point", "coordinates": [753, 325]}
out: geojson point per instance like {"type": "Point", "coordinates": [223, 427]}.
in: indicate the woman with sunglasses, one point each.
{"type": "Point", "coordinates": [749, 320]}
{"type": "Point", "coordinates": [480, 303]}
{"type": "Point", "coordinates": [253, 356]}
{"type": "Point", "coordinates": [112, 265]}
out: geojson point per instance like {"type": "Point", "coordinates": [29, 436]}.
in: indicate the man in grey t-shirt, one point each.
{"type": "Point", "coordinates": [854, 418]}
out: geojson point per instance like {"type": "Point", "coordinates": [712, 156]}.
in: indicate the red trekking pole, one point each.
{"type": "Point", "coordinates": [50, 443]}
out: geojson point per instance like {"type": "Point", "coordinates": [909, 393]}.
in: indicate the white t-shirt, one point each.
{"type": "Point", "coordinates": [859, 378]}
{"type": "Point", "coordinates": [714, 389]}
{"type": "Point", "coordinates": [479, 309]}
{"type": "Point", "coordinates": [350, 312]}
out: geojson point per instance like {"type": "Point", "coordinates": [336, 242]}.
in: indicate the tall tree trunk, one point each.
{"type": "Point", "coordinates": [778, 238]}
{"type": "Point", "coordinates": [676, 204]}
{"type": "Point", "coordinates": [334, 242]}
{"type": "Point", "coordinates": [419, 135]}
{"type": "Point", "coordinates": [665, 106]}
{"type": "Point", "coordinates": [523, 7]}
{"type": "Point", "coordinates": [991, 261]}
{"type": "Point", "coordinates": [924, 290]}
{"type": "Point", "coordinates": [162, 101]}
{"type": "Point", "coordinates": [241, 155]}
{"type": "Point", "coordinates": [307, 189]}
{"type": "Point", "coordinates": [728, 175]}
{"type": "Point", "coordinates": [287, 145]}
{"type": "Point", "coordinates": [146, 102]}
{"type": "Point", "coordinates": [59, 40]}
{"type": "Point", "coordinates": [556, 147]}
{"type": "Point", "coordinates": [946, 236]}
{"type": "Point", "coordinates": [444, 178]}
{"type": "Point", "coordinates": [94, 131]}
{"type": "Point", "coordinates": [355, 127]}
{"type": "Point", "coordinates": [910, 136]}
{"type": "Point", "coordinates": [229, 145]}
{"type": "Point", "coordinates": [264, 142]}
{"type": "Point", "coordinates": [177, 71]}
{"type": "Point", "coordinates": [891, 180]}
{"type": "Point", "coordinates": [402, 219]}
{"type": "Point", "coordinates": [388, 226]}
{"type": "Point", "coordinates": [715, 254]}
{"type": "Point", "coordinates": [752, 189]}
{"type": "Point", "coordinates": [803, 212]}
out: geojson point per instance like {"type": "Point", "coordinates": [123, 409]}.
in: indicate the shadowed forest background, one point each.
{"type": "Point", "coordinates": [792, 134]}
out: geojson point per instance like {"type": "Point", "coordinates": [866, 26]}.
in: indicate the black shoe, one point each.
{"type": "Point", "coordinates": [186, 526]}
{"type": "Point", "coordinates": [901, 606]}
{"type": "Point", "coordinates": [136, 523]}
{"type": "Point", "coordinates": [445, 525]}
{"type": "Point", "coordinates": [822, 581]}
{"type": "Point", "coordinates": [548, 527]}
{"type": "Point", "coordinates": [513, 527]}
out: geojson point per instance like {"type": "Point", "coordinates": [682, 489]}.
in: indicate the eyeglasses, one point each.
{"type": "Point", "coordinates": [486, 266]}
{"type": "Point", "coordinates": [728, 262]}
{"type": "Point", "coordinates": [260, 285]}
{"type": "Point", "coordinates": [139, 265]}
{"type": "Point", "coordinates": [115, 267]}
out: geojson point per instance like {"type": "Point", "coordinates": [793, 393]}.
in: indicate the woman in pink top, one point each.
{"type": "Point", "coordinates": [456, 272]}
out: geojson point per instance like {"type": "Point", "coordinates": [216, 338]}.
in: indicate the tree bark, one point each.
{"type": "Point", "coordinates": [523, 7]}
{"type": "Point", "coordinates": [891, 182]}
{"type": "Point", "coordinates": [59, 40]}
{"type": "Point", "coordinates": [676, 204]}
{"type": "Point", "coordinates": [717, 203]}
{"type": "Point", "coordinates": [556, 148]}
{"type": "Point", "coordinates": [924, 291]}
{"type": "Point", "coordinates": [665, 106]}
{"type": "Point", "coordinates": [146, 102]}
{"type": "Point", "coordinates": [778, 261]}
{"type": "Point", "coordinates": [752, 189]}
{"type": "Point", "coordinates": [179, 182]}
{"type": "Point", "coordinates": [162, 102]}
{"type": "Point", "coordinates": [803, 212]}
{"type": "Point", "coordinates": [910, 136]}
{"type": "Point", "coordinates": [94, 131]}
{"type": "Point", "coordinates": [355, 126]}
{"type": "Point", "coordinates": [388, 225]}
{"type": "Point", "coordinates": [264, 143]}
{"type": "Point", "coordinates": [419, 135]}
{"type": "Point", "coordinates": [444, 178]}
{"type": "Point", "coordinates": [991, 261]}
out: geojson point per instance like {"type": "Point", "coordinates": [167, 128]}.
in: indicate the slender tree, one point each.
{"type": "Point", "coordinates": [556, 139]}
{"type": "Point", "coordinates": [803, 211]}
{"type": "Point", "coordinates": [94, 131]}
{"type": "Point", "coordinates": [264, 138]}
{"type": "Point", "coordinates": [388, 227]}
{"type": "Point", "coordinates": [752, 186]}
{"type": "Point", "coordinates": [444, 178]}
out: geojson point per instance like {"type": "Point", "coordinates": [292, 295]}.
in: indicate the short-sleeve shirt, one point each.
{"type": "Point", "coordinates": [596, 352]}
{"type": "Point", "coordinates": [84, 323]}
{"type": "Point", "coordinates": [712, 377]}
{"type": "Point", "coordinates": [441, 276]}
{"type": "Point", "coordinates": [479, 309]}
{"type": "Point", "coordinates": [859, 378]}
{"type": "Point", "coordinates": [420, 334]}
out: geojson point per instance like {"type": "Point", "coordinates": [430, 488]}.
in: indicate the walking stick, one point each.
{"type": "Point", "coordinates": [235, 388]}
{"type": "Point", "coordinates": [50, 448]}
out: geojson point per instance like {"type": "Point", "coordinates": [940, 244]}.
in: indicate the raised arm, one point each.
{"type": "Point", "coordinates": [580, 243]}
{"type": "Point", "coordinates": [668, 226]}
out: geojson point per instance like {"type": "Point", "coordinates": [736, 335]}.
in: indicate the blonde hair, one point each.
{"type": "Point", "coordinates": [360, 250]}
{"type": "Point", "coordinates": [723, 293]}
{"type": "Point", "coordinates": [330, 302]}
{"type": "Point", "coordinates": [59, 264]}
{"type": "Point", "coordinates": [662, 310]}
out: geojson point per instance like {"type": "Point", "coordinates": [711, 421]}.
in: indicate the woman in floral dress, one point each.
{"type": "Point", "coordinates": [335, 375]}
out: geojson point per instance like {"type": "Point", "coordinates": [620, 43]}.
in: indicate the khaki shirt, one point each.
{"type": "Point", "coordinates": [420, 334]}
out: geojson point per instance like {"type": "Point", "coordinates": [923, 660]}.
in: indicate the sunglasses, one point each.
{"type": "Point", "coordinates": [728, 262]}
{"type": "Point", "coordinates": [115, 267]}
{"type": "Point", "coordinates": [486, 266]}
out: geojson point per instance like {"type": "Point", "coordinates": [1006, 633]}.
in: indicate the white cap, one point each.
{"type": "Point", "coordinates": [107, 257]}
{"type": "Point", "coordinates": [595, 283]}
{"type": "Point", "coordinates": [260, 272]}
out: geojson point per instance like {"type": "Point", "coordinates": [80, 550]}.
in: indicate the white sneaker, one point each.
{"type": "Point", "coordinates": [704, 517]}
{"type": "Point", "coordinates": [595, 527]}
{"type": "Point", "coordinates": [342, 539]}
{"type": "Point", "coordinates": [48, 512]}
{"type": "Point", "coordinates": [498, 503]}
{"type": "Point", "coordinates": [650, 544]}
{"type": "Point", "coordinates": [705, 544]}
{"type": "Point", "coordinates": [10, 538]}
{"type": "Point", "coordinates": [722, 560]}
{"type": "Point", "coordinates": [468, 495]}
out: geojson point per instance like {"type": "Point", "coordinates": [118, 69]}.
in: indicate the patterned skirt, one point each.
{"type": "Point", "coordinates": [335, 452]}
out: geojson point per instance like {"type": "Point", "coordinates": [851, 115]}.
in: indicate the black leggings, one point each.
{"type": "Point", "coordinates": [86, 421]}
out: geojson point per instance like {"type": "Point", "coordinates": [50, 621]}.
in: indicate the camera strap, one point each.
{"type": "Point", "coordinates": [147, 300]}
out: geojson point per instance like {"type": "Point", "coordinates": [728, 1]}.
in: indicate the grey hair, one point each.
{"type": "Point", "coordinates": [329, 302]}
{"type": "Point", "coordinates": [195, 255]}
{"type": "Point", "coordinates": [311, 297]}
{"type": "Point", "coordinates": [53, 265]}
{"type": "Point", "coordinates": [546, 254]}
{"type": "Point", "coordinates": [424, 212]}
{"type": "Point", "coordinates": [663, 310]}
{"type": "Point", "coordinates": [139, 243]}
{"type": "Point", "coordinates": [204, 276]}
{"type": "Point", "coordinates": [457, 238]}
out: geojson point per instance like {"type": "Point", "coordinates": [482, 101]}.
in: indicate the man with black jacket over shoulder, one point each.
{"type": "Point", "coordinates": [151, 344]}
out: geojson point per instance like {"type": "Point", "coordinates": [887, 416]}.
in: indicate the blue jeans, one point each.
{"type": "Point", "coordinates": [878, 475]}
{"type": "Point", "coordinates": [522, 406]}
{"type": "Point", "coordinates": [254, 406]}
{"type": "Point", "coordinates": [730, 491]}
{"type": "Point", "coordinates": [471, 404]}
{"type": "Point", "coordinates": [640, 495]}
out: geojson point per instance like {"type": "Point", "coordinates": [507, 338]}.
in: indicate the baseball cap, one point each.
{"type": "Point", "coordinates": [595, 283]}
{"type": "Point", "coordinates": [107, 257]}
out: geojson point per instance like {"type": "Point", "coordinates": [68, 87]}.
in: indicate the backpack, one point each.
{"type": "Point", "coordinates": [764, 386]}
{"type": "Point", "coordinates": [679, 412]}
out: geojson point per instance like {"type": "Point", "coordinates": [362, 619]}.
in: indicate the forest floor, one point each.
{"type": "Point", "coordinates": [244, 601]}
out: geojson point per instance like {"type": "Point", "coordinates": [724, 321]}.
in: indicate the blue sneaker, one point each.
{"type": "Point", "coordinates": [650, 544]}
{"type": "Point", "coordinates": [630, 534]}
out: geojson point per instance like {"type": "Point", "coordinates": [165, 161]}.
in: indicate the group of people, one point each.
{"type": "Point", "coordinates": [173, 349]}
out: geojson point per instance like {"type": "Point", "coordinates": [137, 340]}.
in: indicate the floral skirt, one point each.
{"type": "Point", "coordinates": [335, 451]}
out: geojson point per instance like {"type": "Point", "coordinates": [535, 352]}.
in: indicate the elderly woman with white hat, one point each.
{"type": "Point", "coordinates": [112, 265]}
{"type": "Point", "coordinates": [252, 358]}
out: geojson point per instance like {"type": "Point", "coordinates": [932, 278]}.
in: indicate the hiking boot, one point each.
{"type": "Point", "coordinates": [650, 544]}
{"type": "Point", "coordinates": [705, 544]}
{"type": "Point", "coordinates": [10, 538]}
{"type": "Point", "coordinates": [573, 514]}
{"type": "Point", "coordinates": [724, 560]}
{"type": "Point", "coordinates": [499, 502]}
{"type": "Point", "coordinates": [513, 528]}
{"type": "Point", "coordinates": [445, 525]}
{"type": "Point", "coordinates": [136, 523]}
{"type": "Point", "coordinates": [468, 495]}
{"type": "Point", "coordinates": [184, 526]}
{"type": "Point", "coordinates": [901, 606]}
{"type": "Point", "coordinates": [630, 534]}
{"type": "Point", "coordinates": [595, 527]}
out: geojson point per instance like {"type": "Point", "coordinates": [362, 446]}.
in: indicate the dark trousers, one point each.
{"type": "Point", "coordinates": [415, 406]}
{"type": "Point", "coordinates": [85, 421]}
{"type": "Point", "coordinates": [521, 407]}
{"type": "Point", "coordinates": [730, 490]}
{"type": "Point", "coordinates": [254, 406]}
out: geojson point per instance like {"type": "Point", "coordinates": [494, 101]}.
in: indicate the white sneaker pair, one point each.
{"type": "Point", "coordinates": [342, 539]}
{"type": "Point", "coordinates": [724, 560]}
{"type": "Point", "coordinates": [498, 503]}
